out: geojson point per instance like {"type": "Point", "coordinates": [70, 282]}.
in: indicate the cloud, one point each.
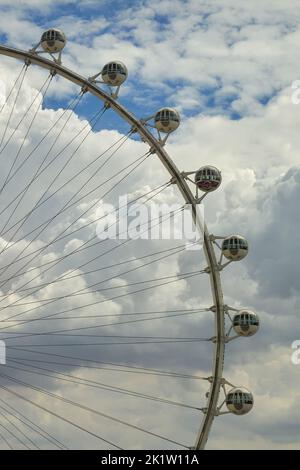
{"type": "Point", "coordinates": [228, 68]}
{"type": "Point", "coordinates": [233, 66]}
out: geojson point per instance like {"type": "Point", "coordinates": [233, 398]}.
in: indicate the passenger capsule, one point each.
{"type": "Point", "coordinates": [235, 248]}
{"type": "Point", "coordinates": [167, 120]}
{"type": "Point", "coordinates": [53, 40]}
{"type": "Point", "coordinates": [208, 178]}
{"type": "Point", "coordinates": [114, 73]}
{"type": "Point", "coordinates": [245, 323]}
{"type": "Point", "coordinates": [239, 401]}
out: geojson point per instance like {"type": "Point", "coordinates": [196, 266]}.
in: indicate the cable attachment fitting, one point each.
{"type": "Point", "coordinates": [152, 150]}
{"type": "Point", "coordinates": [84, 89]}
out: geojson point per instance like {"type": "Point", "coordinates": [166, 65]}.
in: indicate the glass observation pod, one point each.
{"type": "Point", "coordinates": [239, 401]}
{"type": "Point", "coordinates": [246, 323]}
{"type": "Point", "coordinates": [244, 319]}
{"type": "Point", "coordinates": [235, 248]}
{"type": "Point", "coordinates": [208, 178]}
{"type": "Point", "coordinates": [167, 120]}
{"type": "Point", "coordinates": [114, 73]}
{"type": "Point", "coordinates": [53, 40]}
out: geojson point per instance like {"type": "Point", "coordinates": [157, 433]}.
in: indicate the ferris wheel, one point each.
{"type": "Point", "coordinates": [63, 286]}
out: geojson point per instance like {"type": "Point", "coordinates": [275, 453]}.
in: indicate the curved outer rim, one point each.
{"type": "Point", "coordinates": [215, 280]}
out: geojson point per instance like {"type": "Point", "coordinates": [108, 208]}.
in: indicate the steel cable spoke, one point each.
{"type": "Point", "coordinates": [12, 88]}
{"type": "Point", "coordinates": [41, 202]}
{"type": "Point", "coordinates": [33, 426]}
{"type": "Point", "coordinates": [37, 174]}
{"type": "Point", "coordinates": [121, 367]}
{"type": "Point", "coordinates": [12, 110]}
{"type": "Point", "coordinates": [83, 264]}
{"type": "Point", "coordinates": [95, 203]}
{"type": "Point", "coordinates": [5, 440]}
{"type": "Point", "coordinates": [104, 289]}
{"type": "Point", "coordinates": [72, 106]}
{"type": "Point", "coordinates": [75, 231]}
{"type": "Point", "coordinates": [100, 385]}
{"type": "Point", "coordinates": [91, 410]}
{"type": "Point", "coordinates": [18, 430]}
{"type": "Point", "coordinates": [139, 160]}
{"type": "Point", "coordinates": [56, 415]}
{"type": "Point", "coordinates": [13, 434]}
{"type": "Point", "coordinates": [46, 84]}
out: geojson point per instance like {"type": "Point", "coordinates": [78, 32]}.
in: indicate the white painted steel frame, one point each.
{"type": "Point", "coordinates": [178, 178]}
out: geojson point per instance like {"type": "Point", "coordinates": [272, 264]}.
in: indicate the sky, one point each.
{"type": "Point", "coordinates": [229, 69]}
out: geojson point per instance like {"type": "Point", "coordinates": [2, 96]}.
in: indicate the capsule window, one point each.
{"type": "Point", "coordinates": [230, 399]}
{"type": "Point", "coordinates": [243, 245]}
{"type": "Point", "coordinates": [248, 399]}
{"type": "Point", "coordinates": [52, 36]}
{"type": "Point", "coordinates": [165, 116]}
{"type": "Point", "coordinates": [162, 117]}
{"type": "Point", "coordinates": [120, 69]}
{"type": "Point", "coordinates": [174, 116]}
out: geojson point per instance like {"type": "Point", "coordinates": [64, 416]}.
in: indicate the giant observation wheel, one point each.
{"type": "Point", "coordinates": [28, 270]}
